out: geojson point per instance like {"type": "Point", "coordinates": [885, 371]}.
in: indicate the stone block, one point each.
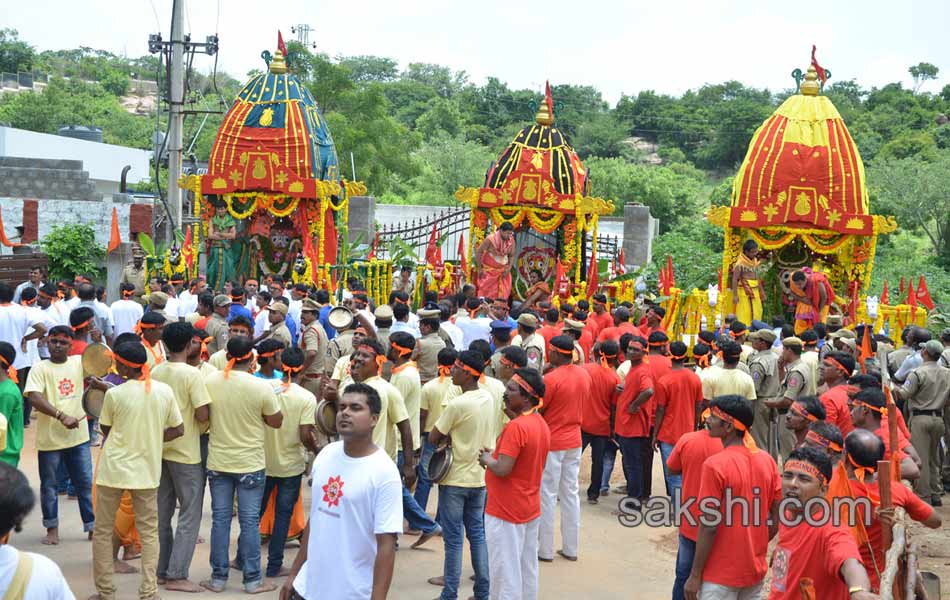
{"type": "Point", "coordinates": [362, 218]}
{"type": "Point", "coordinates": [140, 219]}
{"type": "Point", "coordinates": [30, 221]}
{"type": "Point", "coordinates": [639, 228]}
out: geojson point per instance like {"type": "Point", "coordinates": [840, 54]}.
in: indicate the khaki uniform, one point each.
{"type": "Point", "coordinates": [446, 338]}
{"type": "Point", "coordinates": [314, 339]}
{"type": "Point", "coordinates": [763, 367]}
{"type": "Point", "coordinates": [339, 346]}
{"type": "Point", "coordinates": [280, 333]}
{"type": "Point", "coordinates": [895, 358]}
{"type": "Point", "coordinates": [427, 356]}
{"type": "Point", "coordinates": [382, 336]}
{"type": "Point", "coordinates": [135, 277]}
{"type": "Point", "coordinates": [533, 346]}
{"type": "Point", "coordinates": [217, 328]}
{"type": "Point", "coordinates": [926, 392]}
{"type": "Point", "coordinates": [798, 382]}
{"type": "Point", "coordinates": [812, 359]}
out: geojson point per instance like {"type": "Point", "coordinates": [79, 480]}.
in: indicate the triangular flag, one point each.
{"type": "Point", "coordinates": [593, 277]}
{"type": "Point", "coordinates": [115, 238]}
{"type": "Point", "coordinates": [840, 487]}
{"type": "Point", "coordinates": [621, 263]}
{"type": "Point", "coordinates": [547, 98]}
{"type": "Point", "coordinates": [903, 287]}
{"type": "Point", "coordinates": [3, 235]}
{"type": "Point", "coordinates": [866, 352]}
{"type": "Point", "coordinates": [280, 44]}
{"type": "Point", "coordinates": [433, 251]}
{"type": "Point", "coordinates": [372, 252]}
{"type": "Point", "coordinates": [818, 68]}
{"type": "Point", "coordinates": [884, 294]}
{"type": "Point", "coordinates": [560, 276]}
{"type": "Point", "coordinates": [670, 277]}
{"type": "Point", "coordinates": [463, 260]}
{"type": "Point", "coordinates": [923, 294]}
{"type": "Point", "coordinates": [186, 250]}
{"type": "Point", "coordinates": [911, 296]}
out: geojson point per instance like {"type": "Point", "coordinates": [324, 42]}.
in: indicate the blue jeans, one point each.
{"type": "Point", "coordinates": [78, 464]}
{"type": "Point", "coordinates": [673, 482]}
{"type": "Point", "coordinates": [610, 456]}
{"type": "Point", "coordinates": [684, 564]}
{"type": "Point", "coordinates": [598, 444]}
{"type": "Point", "coordinates": [250, 491]}
{"type": "Point", "coordinates": [415, 515]}
{"type": "Point", "coordinates": [288, 489]}
{"type": "Point", "coordinates": [463, 507]}
{"type": "Point", "coordinates": [632, 450]}
{"type": "Point", "coordinates": [423, 484]}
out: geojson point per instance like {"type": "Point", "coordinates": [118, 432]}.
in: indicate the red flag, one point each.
{"type": "Point", "coordinates": [372, 252]}
{"type": "Point", "coordinates": [903, 287]}
{"type": "Point", "coordinates": [911, 296]}
{"type": "Point", "coordinates": [819, 68]}
{"type": "Point", "coordinates": [186, 250]}
{"type": "Point", "coordinates": [115, 239]}
{"type": "Point", "coordinates": [923, 294]}
{"type": "Point", "coordinates": [884, 294]}
{"type": "Point", "coordinates": [560, 278]}
{"type": "Point", "coordinates": [671, 278]}
{"type": "Point", "coordinates": [330, 238]}
{"type": "Point", "coordinates": [592, 275]}
{"type": "Point", "coordinates": [280, 44]}
{"type": "Point", "coordinates": [547, 98]}
{"type": "Point", "coordinates": [463, 261]}
{"type": "Point", "coordinates": [865, 348]}
{"type": "Point", "coordinates": [621, 263]}
{"type": "Point", "coordinates": [433, 251]}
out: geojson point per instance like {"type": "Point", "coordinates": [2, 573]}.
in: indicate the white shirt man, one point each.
{"type": "Point", "coordinates": [15, 323]}
{"type": "Point", "coordinates": [46, 580]}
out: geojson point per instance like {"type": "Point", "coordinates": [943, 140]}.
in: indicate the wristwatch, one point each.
{"type": "Point", "coordinates": [855, 589]}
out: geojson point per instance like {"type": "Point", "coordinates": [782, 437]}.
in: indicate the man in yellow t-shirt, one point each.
{"type": "Point", "coordinates": [728, 379]}
{"type": "Point", "coordinates": [244, 406]}
{"type": "Point", "coordinates": [469, 422]}
{"type": "Point", "coordinates": [183, 479]}
{"type": "Point", "coordinates": [137, 417]}
{"type": "Point", "coordinates": [434, 396]}
{"type": "Point", "coordinates": [54, 388]}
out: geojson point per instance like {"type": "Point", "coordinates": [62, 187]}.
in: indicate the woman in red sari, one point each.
{"type": "Point", "coordinates": [494, 258]}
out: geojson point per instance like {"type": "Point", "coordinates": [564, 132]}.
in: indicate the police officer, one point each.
{"type": "Point", "coordinates": [763, 366]}
{"type": "Point", "coordinates": [797, 381]}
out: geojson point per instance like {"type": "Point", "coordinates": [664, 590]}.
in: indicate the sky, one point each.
{"type": "Point", "coordinates": [620, 47]}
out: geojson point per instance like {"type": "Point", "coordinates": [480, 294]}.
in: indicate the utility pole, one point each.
{"type": "Point", "coordinates": [176, 101]}
{"type": "Point", "coordinates": [303, 34]}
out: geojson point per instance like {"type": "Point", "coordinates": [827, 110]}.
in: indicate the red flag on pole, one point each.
{"type": "Point", "coordinates": [372, 252]}
{"type": "Point", "coordinates": [115, 239]}
{"type": "Point", "coordinates": [433, 251]}
{"type": "Point", "coordinates": [560, 277]}
{"type": "Point", "coordinates": [911, 296]}
{"type": "Point", "coordinates": [819, 68]}
{"type": "Point", "coordinates": [463, 260]}
{"type": "Point", "coordinates": [592, 275]}
{"type": "Point", "coordinates": [866, 352]}
{"type": "Point", "coordinates": [547, 98]}
{"type": "Point", "coordinates": [884, 294]}
{"type": "Point", "coordinates": [923, 294]}
{"type": "Point", "coordinates": [186, 250]}
{"type": "Point", "coordinates": [903, 287]}
{"type": "Point", "coordinates": [621, 263]}
{"type": "Point", "coordinates": [670, 277]}
{"type": "Point", "coordinates": [280, 44]}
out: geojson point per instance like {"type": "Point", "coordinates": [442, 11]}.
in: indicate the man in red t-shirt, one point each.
{"type": "Point", "coordinates": [731, 549]}
{"type": "Point", "coordinates": [834, 371]}
{"type": "Point", "coordinates": [621, 316]}
{"type": "Point", "coordinates": [653, 318]}
{"type": "Point", "coordinates": [549, 329]}
{"type": "Point", "coordinates": [586, 336]}
{"type": "Point", "coordinates": [867, 412]}
{"type": "Point", "coordinates": [686, 461]}
{"type": "Point", "coordinates": [864, 450]}
{"type": "Point", "coordinates": [632, 421]}
{"type": "Point", "coordinates": [660, 367]}
{"type": "Point", "coordinates": [822, 559]}
{"type": "Point", "coordinates": [679, 394]}
{"type": "Point", "coordinates": [566, 386]}
{"type": "Point", "coordinates": [513, 481]}
{"type": "Point", "coordinates": [600, 318]}
{"type": "Point", "coordinates": [598, 411]}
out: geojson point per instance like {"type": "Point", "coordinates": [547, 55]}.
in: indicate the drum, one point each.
{"type": "Point", "coordinates": [439, 464]}
{"type": "Point", "coordinates": [97, 360]}
{"type": "Point", "coordinates": [326, 417]}
{"type": "Point", "coordinates": [92, 402]}
{"type": "Point", "coordinates": [340, 317]}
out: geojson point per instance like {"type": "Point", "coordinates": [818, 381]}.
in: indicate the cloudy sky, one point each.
{"type": "Point", "coordinates": [618, 46]}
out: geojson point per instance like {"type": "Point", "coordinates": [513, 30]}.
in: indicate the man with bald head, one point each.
{"type": "Point", "coordinates": [103, 321]}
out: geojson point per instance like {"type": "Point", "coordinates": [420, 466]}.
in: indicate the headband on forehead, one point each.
{"type": "Point", "coordinates": [11, 372]}
{"type": "Point", "coordinates": [527, 389]}
{"type": "Point", "coordinates": [128, 293]}
{"type": "Point", "coordinates": [473, 372]}
{"type": "Point", "coordinates": [878, 409]}
{"type": "Point", "coordinates": [83, 324]}
{"type": "Point", "coordinates": [146, 372]}
{"type": "Point", "coordinates": [636, 344]}
{"type": "Point", "coordinates": [861, 472]}
{"type": "Point", "coordinates": [402, 350]}
{"type": "Point", "coordinates": [799, 411]}
{"type": "Point", "coordinates": [739, 425]}
{"type": "Point", "coordinates": [562, 350]}
{"type": "Point", "coordinates": [232, 360]}
{"type": "Point", "coordinates": [805, 467]}
{"type": "Point", "coordinates": [822, 441]}
{"type": "Point", "coordinates": [444, 371]}
{"type": "Point", "coordinates": [834, 363]}
{"type": "Point", "coordinates": [677, 356]}
{"type": "Point", "coordinates": [379, 358]}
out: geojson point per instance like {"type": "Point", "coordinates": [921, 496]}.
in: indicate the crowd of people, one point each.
{"type": "Point", "coordinates": [218, 391]}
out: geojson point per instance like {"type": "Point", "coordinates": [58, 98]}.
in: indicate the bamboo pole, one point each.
{"type": "Point", "coordinates": [892, 559]}
{"type": "Point", "coordinates": [884, 484]}
{"type": "Point", "coordinates": [910, 580]}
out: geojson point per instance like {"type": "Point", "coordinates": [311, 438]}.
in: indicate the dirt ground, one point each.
{"type": "Point", "coordinates": [615, 561]}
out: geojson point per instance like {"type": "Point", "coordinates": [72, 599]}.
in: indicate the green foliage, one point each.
{"type": "Point", "coordinates": [910, 143]}
{"type": "Point", "coordinates": [696, 249]}
{"type": "Point", "coordinates": [922, 72]}
{"type": "Point", "coordinates": [442, 164]}
{"type": "Point", "coordinates": [15, 54]}
{"type": "Point", "coordinates": [72, 249]}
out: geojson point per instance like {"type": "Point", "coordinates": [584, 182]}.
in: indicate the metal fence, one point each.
{"type": "Point", "coordinates": [452, 224]}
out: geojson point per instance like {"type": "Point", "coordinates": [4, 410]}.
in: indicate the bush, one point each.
{"type": "Point", "coordinates": [72, 249]}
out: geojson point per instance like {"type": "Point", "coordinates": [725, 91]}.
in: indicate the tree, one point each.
{"type": "Point", "coordinates": [441, 117]}
{"type": "Point", "coordinates": [370, 69]}
{"type": "Point", "coordinates": [15, 54]}
{"type": "Point", "coordinates": [72, 249]}
{"type": "Point", "coordinates": [922, 73]}
{"type": "Point", "coordinates": [443, 80]}
{"type": "Point", "coordinates": [444, 163]}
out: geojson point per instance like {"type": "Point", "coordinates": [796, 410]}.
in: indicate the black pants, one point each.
{"type": "Point", "coordinates": [646, 460]}
{"type": "Point", "coordinates": [598, 445]}
{"type": "Point", "coordinates": [22, 374]}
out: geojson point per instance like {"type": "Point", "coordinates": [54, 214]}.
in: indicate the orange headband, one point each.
{"type": "Point", "coordinates": [268, 354]}
{"type": "Point", "coordinates": [603, 360]}
{"type": "Point", "coordinates": [798, 410]}
{"type": "Point", "coordinates": [527, 389]}
{"type": "Point", "coordinates": [805, 467]}
{"type": "Point", "coordinates": [636, 345]}
{"type": "Point", "coordinates": [140, 326]}
{"type": "Point", "coordinates": [446, 371]}
{"type": "Point", "coordinates": [656, 344]}
{"type": "Point", "coordinates": [204, 345]}
{"type": "Point", "coordinates": [128, 293]}
{"type": "Point", "coordinates": [11, 372]}
{"type": "Point", "coordinates": [822, 441]}
{"type": "Point", "coordinates": [702, 360]}
{"type": "Point", "coordinates": [232, 360]}
{"type": "Point", "coordinates": [859, 471]}
{"type": "Point", "coordinates": [562, 350]}
{"type": "Point", "coordinates": [834, 363]}
{"type": "Point", "coordinates": [473, 372]}
{"type": "Point", "coordinates": [506, 361]}
{"type": "Point", "coordinates": [146, 372]}
{"type": "Point", "coordinates": [880, 410]}
{"type": "Point", "coordinates": [815, 343]}
{"type": "Point", "coordinates": [83, 324]}
{"type": "Point", "coordinates": [799, 290]}
{"type": "Point", "coordinates": [746, 437]}
{"type": "Point", "coordinates": [678, 356]}
{"type": "Point", "coordinates": [401, 349]}
{"type": "Point", "coordinates": [380, 359]}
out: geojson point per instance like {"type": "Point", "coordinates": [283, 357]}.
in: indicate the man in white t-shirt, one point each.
{"type": "Point", "coordinates": [18, 327]}
{"type": "Point", "coordinates": [45, 580]}
{"type": "Point", "coordinates": [126, 312]}
{"type": "Point", "coordinates": [357, 496]}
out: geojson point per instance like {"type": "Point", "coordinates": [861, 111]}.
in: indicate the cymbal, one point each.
{"type": "Point", "coordinates": [97, 360]}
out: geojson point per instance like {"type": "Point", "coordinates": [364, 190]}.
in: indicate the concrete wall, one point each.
{"type": "Point", "coordinates": [639, 230]}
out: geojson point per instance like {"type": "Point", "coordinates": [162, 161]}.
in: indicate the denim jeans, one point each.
{"type": "Point", "coordinates": [64, 485]}
{"type": "Point", "coordinates": [250, 491]}
{"type": "Point", "coordinates": [78, 464]}
{"type": "Point", "coordinates": [610, 456]}
{"type": "Point", "coordinates": [684, 564]}
{"type": "Point", "coordinates": [598, 445]}
{"type": "Point", "coordinates": [423, 484]}
{"type": "Point", "coordinates": [673, 482]}
{"type": "Point", "coordinates": [416, 515]}
{"type": "Point", "coordinates": [288, 489]}
{"type": "Point", "coordinates": [632, 450]}
{"type": "Point", "coordinates": [461, 514]}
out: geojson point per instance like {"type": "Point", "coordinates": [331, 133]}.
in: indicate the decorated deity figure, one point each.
{"type": "Point", "coordinates": [748, 292]}
{"type": "Point", "coordinates": [495, 258]}
{"type": "Point", "coordinates": [814, 295]}
{"type": "Point", "coordinates": [173, 264]}
{"type": "Point", "coordinates": [222, 231]}
{"type": "Point", "coordinates": [302, 270]}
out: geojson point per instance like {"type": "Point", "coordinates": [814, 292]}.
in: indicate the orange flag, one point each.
{"type": "Point", "coordinates": [3, 235]}
{"type": "Point", "coordinates": [840, 487]}
{"type": "Point", "coordinates": [865, 347]}
{"type": "Point", "coordinates": [911, 295]}
{"type": "Point", "coordinates": [592, 274]}
{"type": "Point", "coordinates": [187, 250]}
{"type": "Point", "coordinates": [115, 239]}
{"type": "Point", "coordinates": [884, 294]}
{"type": "Point", "coordinates": [463, 261]}
{"type": "Point", "coordinates": [923, 294]}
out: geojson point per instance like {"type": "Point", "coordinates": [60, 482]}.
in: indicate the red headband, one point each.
{"type": "Point", "coordinates": [562, 350]}
{"type": "Point", "coordinates": [834, 363]}
{"type": "Point", "coordinates": [822, 441]}
{"type": "Point", "coordinates": [146, 372]}
{"type": "Point", "coordinates": [798, 410]}
{"type": "Point", "coordinates": [83, 324]}
{"type": "Point", "coordinates": [739, 425]}
{"type": "Point", "coordinates": [527, 389]}
{"type": "Point", "coordinates": [805, 467]}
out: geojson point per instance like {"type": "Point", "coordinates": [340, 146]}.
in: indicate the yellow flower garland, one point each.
{"type": "Point", "coordinates": [307, 276]}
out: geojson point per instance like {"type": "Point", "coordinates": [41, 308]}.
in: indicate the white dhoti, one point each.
{"type": "Point", "coordinates": [512, 558]}
{"type": "Point", "coordinates": [559, 483]}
